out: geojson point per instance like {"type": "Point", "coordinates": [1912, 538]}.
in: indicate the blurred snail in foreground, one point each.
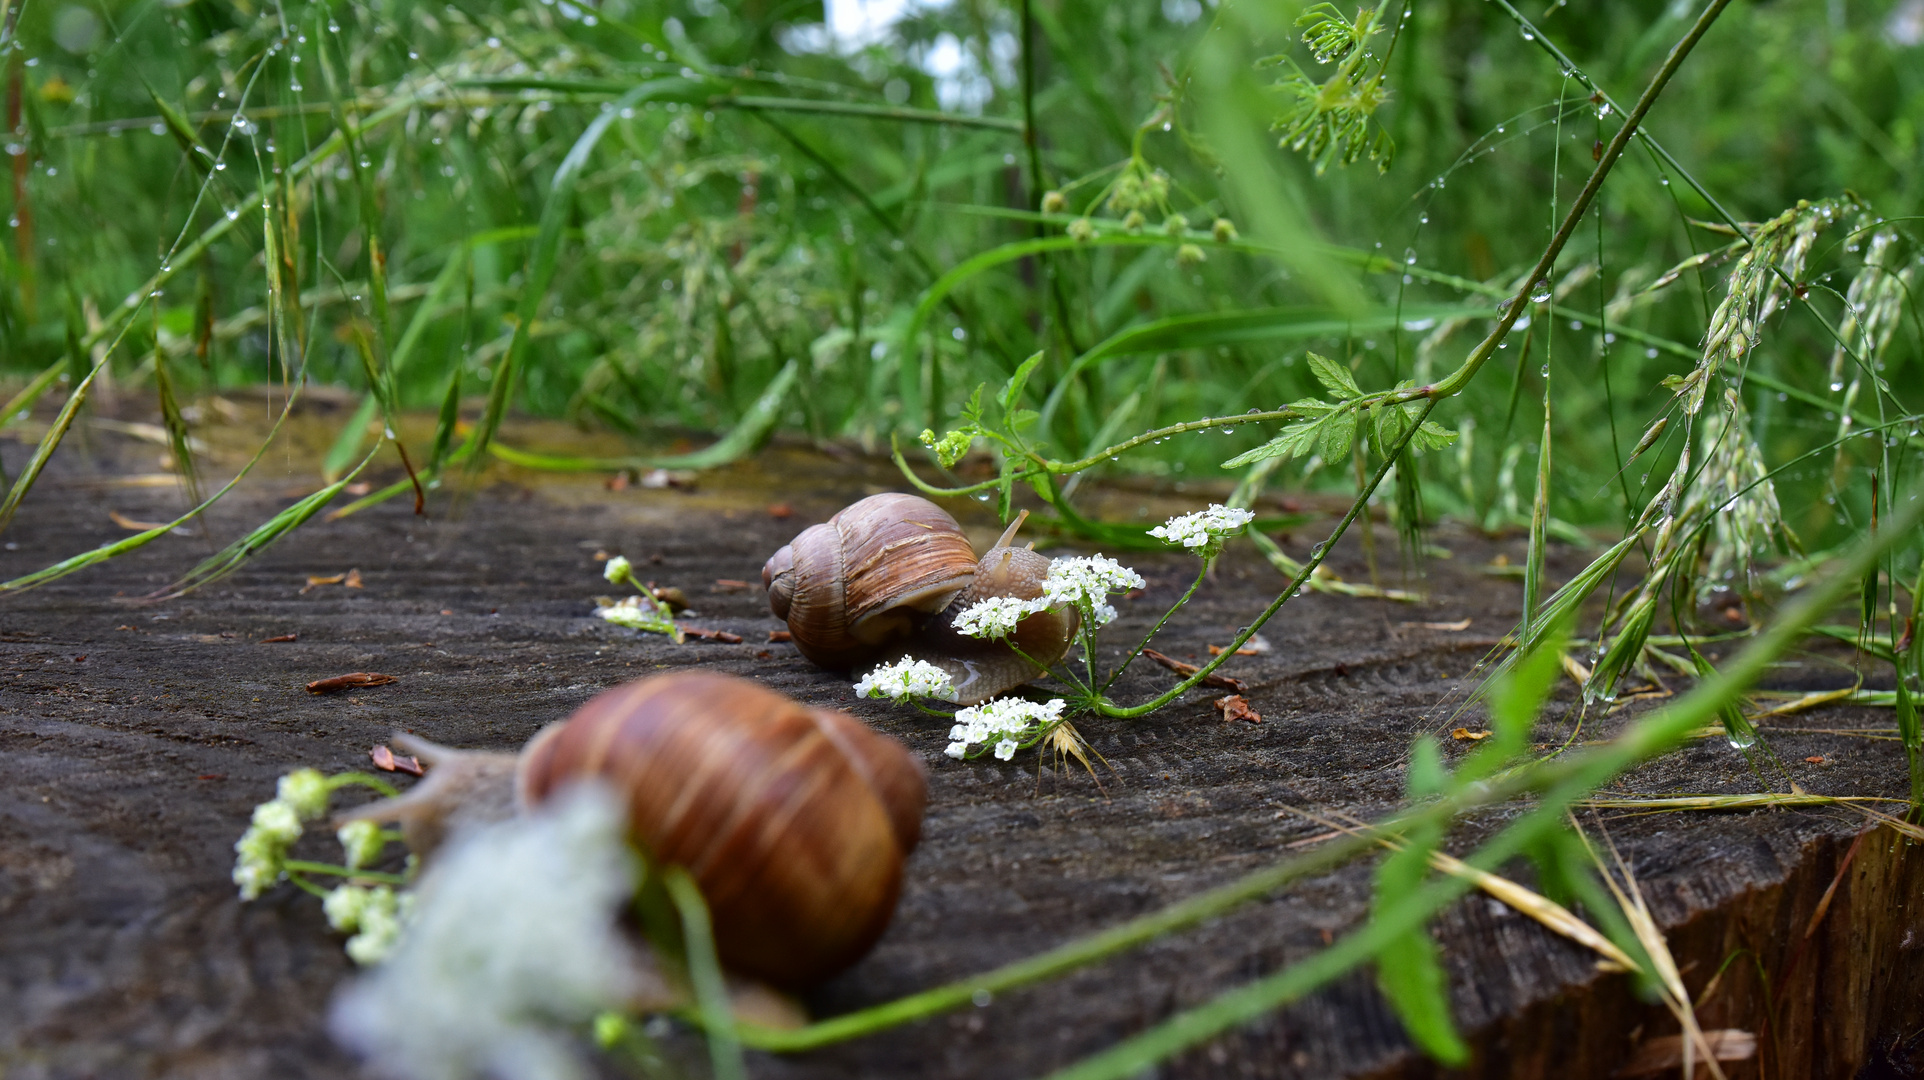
{"type": "Point", "coordinates": [885, 578]}
{"type": "Point", "coordinates": [794, 821]}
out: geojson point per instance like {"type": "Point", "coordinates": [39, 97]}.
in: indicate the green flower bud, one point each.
{"type": "Point", "coordinates": [949, 448]}
{"type": "Point", "coordinates": [1175, 225]}
{"type": "Point", "coordinates": [1189, 255]}
{"type": "Point", "coordinates": [1053, 202]}
{"type": "Point", "coordinates": [618, 570]}
{"type": "Point", "coordinates": [1134, 222]}
{"type": "Point", "coordinates": [1224, 230]}
{"type": "Point", "coordinates": [1081, 230]}
{"type": "Point", "coordinates": [1156, 186]}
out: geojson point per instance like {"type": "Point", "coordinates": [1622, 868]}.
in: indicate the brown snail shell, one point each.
{"type": "Point", "coordinates": [868, 578]}
{"type": "Point", "coordinates": [794, 821]}
{"type": "Point", "coordinates": [886, 577]}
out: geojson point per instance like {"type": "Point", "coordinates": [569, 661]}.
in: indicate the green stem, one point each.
{"type": "Point", "coordinates": [340, 780]}
{"type": "Point", "coordinates": [305, 867]}
{"type": "Point", "coordinates": [704, 970]}
{"type": "Point", "coordinates": [1156, 629]}
{"type": "Point", "coordinates": [1316, 557]}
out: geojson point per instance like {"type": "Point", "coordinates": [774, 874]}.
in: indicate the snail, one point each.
{"type": "Point", "coordinates": [794, 821]}
{"type": "Point", "coordinates": [885, 577]}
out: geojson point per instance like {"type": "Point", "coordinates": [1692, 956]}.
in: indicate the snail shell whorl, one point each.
{"type": "Point", "coordinates": [867, 578]}
{"type": "Point", "coordinates": [794, 821]}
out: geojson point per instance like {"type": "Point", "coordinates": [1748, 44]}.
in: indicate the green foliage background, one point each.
{"type": "Point", "coordinates": [708, 243]}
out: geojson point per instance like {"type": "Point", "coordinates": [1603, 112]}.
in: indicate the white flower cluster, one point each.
{"type": "Point", "coordinates": [641, 613]}
{"type": "Point", "coordinates": [1006, 721]}
{"type": "Point", "coordinates": [362, 841]}
{"type": "Point", "coordinates": [513, 944]}
{"type": "Point", "coordinates": [1205, 529]}
{"type": "Point", "coordinates": [1087, 582]}
{"type": "Point", "coordinates": [300, 796]}
{"type": "Point", "coordinates": [996, 617]}
{"type": "Point", "coordinates": [374, 916]}
{"type": "Point", "coordinates": [904, 679]}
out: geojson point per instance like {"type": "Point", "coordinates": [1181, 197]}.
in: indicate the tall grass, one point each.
{"type": "Point", "coordinates": [1400, 253]}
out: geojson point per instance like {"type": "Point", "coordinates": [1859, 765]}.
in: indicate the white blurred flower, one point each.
{"type": "Point", "coordinates": [996, 617]}
{"type": "Point", "coordinates": [641, 613]}
{"type": "Point", "coordinates": [512, 943]}
{"type": "Point", "coordinates": [263, 847]}
{"type": "Point", "coordinates": [1009, 722]}
{"type": "Point", "coordinates": [306, 791]}
{"type": "Point", "coordinates": [1204, 529]}
{"type": "Point", "coordinates": [1087, 582]}
{"type": "Point", "coordinates": [618, 570]}
{"type": "Point", "coordinates": [904, 679]}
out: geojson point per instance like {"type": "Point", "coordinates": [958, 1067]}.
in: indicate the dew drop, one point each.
{"type": "Point", "coordinates": [1540, 293]}
{"type": "Point", "coordinates": [1741, 740]}
{"type": "Point", "coordinates": [1836, 386]}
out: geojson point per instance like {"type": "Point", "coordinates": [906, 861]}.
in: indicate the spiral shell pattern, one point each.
{"type": "Point", "coordinates": [795, 821]}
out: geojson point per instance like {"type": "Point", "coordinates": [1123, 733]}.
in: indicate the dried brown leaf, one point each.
{"type": "Point", "coordinates": [353, 680]}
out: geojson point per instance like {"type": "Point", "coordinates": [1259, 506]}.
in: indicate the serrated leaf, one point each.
{"type": "Point", "coordinates": [1295, 440]}
{"type": "Point", "coordinates": [1338, 431]}
{"type": "Point", "coordinates": [1335, 377]}
{"type": "Point", "coordinates": [972, 409]}
{"type": "Point", "coordinates": [1390, 425]}
{"type": "Point", "coordinates": [1021, 418]}
{"type": "Point", "coordinates": [1432, 436]}
{"type": "Point", "coordinates": [1012, 390]}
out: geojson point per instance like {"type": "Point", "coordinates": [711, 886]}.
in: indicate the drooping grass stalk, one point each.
{"type": "Point", "coordinates": [1560, 782]}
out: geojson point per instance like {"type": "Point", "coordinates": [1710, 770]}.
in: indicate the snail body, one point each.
{"type": "Point", "coordinates": [794, 821]}
{"type": "Point", "coordinates": [885, 578]}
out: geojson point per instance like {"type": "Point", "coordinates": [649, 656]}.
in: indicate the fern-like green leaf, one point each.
{"type": "Point", "coordinates": [1335, 377]}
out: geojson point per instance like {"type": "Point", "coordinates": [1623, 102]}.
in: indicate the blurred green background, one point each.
{"type": "Point", "coordinates": [784, 181]}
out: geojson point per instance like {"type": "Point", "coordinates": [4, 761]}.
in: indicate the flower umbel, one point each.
{"type": "Point", "coordinates": [1205, 530]}
{"type": "Point", "coordinates": [996, 617]}
{"type": "Point", "coordinates": [374, 916]}
{"type": "Point", "coordinates": [1011, 723]}
{"type": "Point", "coordinates": [905, 679]}
{"type": "Point", "coordinates": [1087, 582]}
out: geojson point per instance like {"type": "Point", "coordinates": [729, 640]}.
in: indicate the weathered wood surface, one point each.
{"type": "Point", "coordinates": [136, 736]}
